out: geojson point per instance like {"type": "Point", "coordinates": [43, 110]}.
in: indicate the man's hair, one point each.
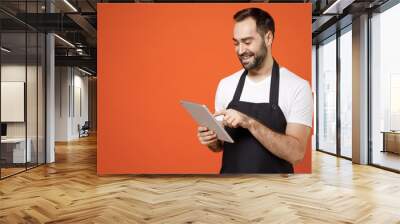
{"type": "Point", "coordinates": [264, 20]}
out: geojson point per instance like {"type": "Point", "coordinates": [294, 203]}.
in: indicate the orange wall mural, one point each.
{"type": "Point", "coordinates": [151, 56]}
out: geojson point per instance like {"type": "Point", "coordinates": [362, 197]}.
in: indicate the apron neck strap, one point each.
{"type": "Point", "coordinates": [239, 88]}
{"type": "Point", "coordinates": [274, 88]}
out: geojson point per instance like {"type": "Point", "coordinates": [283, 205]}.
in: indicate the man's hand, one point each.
{"type": "Point", "coordinates": [234, 118]}
{"type": "Point", "coordinates": [208, 138]}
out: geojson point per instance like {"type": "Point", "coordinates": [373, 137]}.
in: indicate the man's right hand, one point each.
{"type": "Point", "coordinates": [208, 138]}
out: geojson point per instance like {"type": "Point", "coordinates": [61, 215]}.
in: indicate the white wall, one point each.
{"type": "Point", "coordinates": [12, 101]}
{"type": "Point", "coordinates": [71, 87]}
{"type": "Point", "coordinates": [16, 73]}
{"type": "Point", "coordinates": [61, 103]}
{"type": "Point", "coordinates": [33, 127]}
{"type": "Point", "coordinates": [81, 84]}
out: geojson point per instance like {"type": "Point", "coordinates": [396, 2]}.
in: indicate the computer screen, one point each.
{"type": "Point", "coordinates": [3, 129]}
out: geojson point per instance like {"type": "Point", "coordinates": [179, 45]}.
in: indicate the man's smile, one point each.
{"type": "Point", "coordinates": [245, 59]}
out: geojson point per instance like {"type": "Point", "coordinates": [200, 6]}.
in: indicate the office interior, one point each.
{"type": "Point", "coordinates": [368, 76]}
{"type": "Point", "coordinates": [48, 82]}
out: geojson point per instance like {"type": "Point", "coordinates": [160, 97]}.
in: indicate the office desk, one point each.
{"type": "Point", "coordinates": [391, 141]}
{"type": "Point", "coordinates": [13, 150]}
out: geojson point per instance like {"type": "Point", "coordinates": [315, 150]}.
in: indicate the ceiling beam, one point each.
{"type": "Point", "coordinates": [84, 24]}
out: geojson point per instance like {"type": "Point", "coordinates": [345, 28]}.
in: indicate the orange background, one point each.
{"type": "Point", "coordinates": [151, 56]}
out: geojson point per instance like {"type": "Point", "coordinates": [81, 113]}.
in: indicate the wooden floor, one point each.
{"type": "Point", "coordinates": [5, 172]}
{"type": "Point", "coordinates": [69, 191]}
{"type": "Point", "coordinates": [387, 159]}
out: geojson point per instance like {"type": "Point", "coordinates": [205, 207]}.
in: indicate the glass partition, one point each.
{"type": "Point", "coordinates": [346, 93]}
{"type": "Point", "coordinates": [41, 86]}
{"type": "Point", "coordinates": [385, 89]}
{"type": "Point", "coordinates": [22, 77]}
{"type": "Point", "coordinates": [32, 95]}
{"type": "Point", "coordinates": [327, 95]}
{"type": "Point", "coordinates": [14, 153]}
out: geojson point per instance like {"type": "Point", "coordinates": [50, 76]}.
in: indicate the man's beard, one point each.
{"type": "Point", "coordinates": [258, 60]}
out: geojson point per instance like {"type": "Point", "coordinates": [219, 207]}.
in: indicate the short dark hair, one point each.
{"type": "Point", "coordinates": [264, 20]}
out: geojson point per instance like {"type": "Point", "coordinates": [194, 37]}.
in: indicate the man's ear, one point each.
{"type": "Point", "coordinates": [268, 38]}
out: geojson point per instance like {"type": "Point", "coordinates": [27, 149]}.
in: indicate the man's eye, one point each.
{"type": "Point", "coordinates": [235, 43]}
{"type": "Point", "coordinates": [247, 42]}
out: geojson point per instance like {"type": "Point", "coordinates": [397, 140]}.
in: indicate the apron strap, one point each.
{"type": "Point", "coordinates": [274, 88]}
{"type": "Point", "coordinates": [239, 88]}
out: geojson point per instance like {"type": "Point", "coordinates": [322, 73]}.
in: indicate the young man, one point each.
{"type": "Point", "coordinates": [267, 109]}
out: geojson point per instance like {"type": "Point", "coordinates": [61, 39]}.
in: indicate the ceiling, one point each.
{"type": "Point", "coordinates": [76, 22]}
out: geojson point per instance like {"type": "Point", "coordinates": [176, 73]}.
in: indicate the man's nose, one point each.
{"type": "Point", "coordinates": [241, 49]}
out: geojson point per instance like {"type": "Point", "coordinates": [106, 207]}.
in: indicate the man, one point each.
{"type": "Point", "coordinates": [267, 109]}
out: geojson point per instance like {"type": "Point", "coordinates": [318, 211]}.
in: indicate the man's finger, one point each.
{"type": "Point", "coordinates": [230, 120]}
{"type": "Point", "coordinates": [226, 118]}
{"type": "Point", "coordinates": [209, 138]}
{"type": "Point", "coordinates": [208, 142]}
{"type": "Point", "coordinates": [218, 113]}
{"type": "Point", "coordinates": [204, 134]}
{"type": "Point", "coordinates": [202, 129]}
{"type": "Point", "coordinates": [235, 123]}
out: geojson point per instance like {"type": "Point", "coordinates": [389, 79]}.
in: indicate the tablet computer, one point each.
{"type": "Point", "coordinates": [204, 118]}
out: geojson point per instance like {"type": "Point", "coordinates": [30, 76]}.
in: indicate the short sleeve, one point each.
{"type": "Point", "coordinates": [301, 109]}
{"type": "Point", "coordinates": [219, 102]}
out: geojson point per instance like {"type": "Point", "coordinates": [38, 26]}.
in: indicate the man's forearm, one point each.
{"type": "Point", "coordinates": [283, 146]}
{"type": "Point", "coordinates": [217, 147]}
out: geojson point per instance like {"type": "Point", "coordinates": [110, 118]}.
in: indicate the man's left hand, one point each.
{"type": "Point", "coordinates": [234, 118]}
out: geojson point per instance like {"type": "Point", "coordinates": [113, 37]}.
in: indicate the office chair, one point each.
{"type": "Point", "coordinates": [84, 130]}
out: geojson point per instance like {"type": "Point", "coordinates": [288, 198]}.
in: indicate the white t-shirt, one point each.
{"type": "Point", "coordinates": [295, 96]}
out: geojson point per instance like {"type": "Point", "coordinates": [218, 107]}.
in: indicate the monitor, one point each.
{"type": "Point", "coordinates": [3, 129]}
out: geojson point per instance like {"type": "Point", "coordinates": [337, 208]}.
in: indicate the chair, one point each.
{"type": "Point", "coordinates": [84, 130]}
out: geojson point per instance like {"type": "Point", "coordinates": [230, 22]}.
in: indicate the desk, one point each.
{"type": "Point", "coordinates": [391, 141]}
{"type": "Point", "coordinates": [13, 150]}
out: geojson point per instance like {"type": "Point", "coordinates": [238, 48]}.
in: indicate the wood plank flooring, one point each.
{"type": "Point", "coordinates": [10, 171]}
{"type": "Point", "coordinates": [387, 159]}
{"type": "Point", "coordinates": [69, 191]}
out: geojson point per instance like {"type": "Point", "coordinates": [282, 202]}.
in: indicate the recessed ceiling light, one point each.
{"type": "Point", "coordinates": [64, 40]}
{"type": "Point", "coordinates": [70, 5]}
{"type": "Point", "coordinates": [5, 50]}
{"type": "Point", "coordinates": [337, 7]}
{"type": "Point", "coordinates": [84, 71]}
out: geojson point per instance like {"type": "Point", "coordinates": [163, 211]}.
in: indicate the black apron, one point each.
{"type": "Point", "coordinates": [247, 154]}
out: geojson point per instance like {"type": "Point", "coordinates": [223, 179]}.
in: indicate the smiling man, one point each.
{"type": "Point", "coordinates": [267, 109]}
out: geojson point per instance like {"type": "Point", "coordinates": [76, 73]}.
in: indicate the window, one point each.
{"type": "Point", "coordinates": [385, 89]}
{"type": "Point", "coordinates": [346, 92]}
{"type": "Point", "coordinates": [327, 96]}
